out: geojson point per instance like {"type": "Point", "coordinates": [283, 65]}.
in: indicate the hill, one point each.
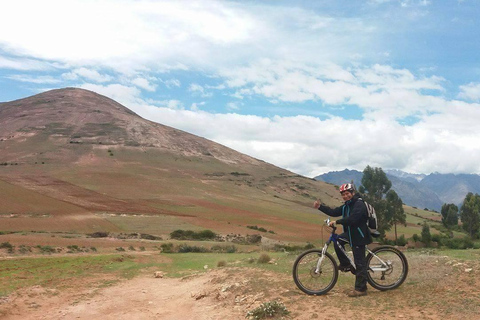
{"type": "Point", "coordinates": [75, 161]}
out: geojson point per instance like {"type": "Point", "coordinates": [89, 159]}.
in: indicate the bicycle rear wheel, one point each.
{"type": "Point", "coordinates": [311, 280]}
{"type": "Point", "coordinates": [387, 268]}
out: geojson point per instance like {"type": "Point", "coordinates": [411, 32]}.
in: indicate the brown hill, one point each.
{"type": "Point", "coordinates": [78, 116]}
{"type": "Point", "coordinates": [75, 161]}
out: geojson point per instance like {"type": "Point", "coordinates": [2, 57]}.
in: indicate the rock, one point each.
{"type": "Point", "coordinates": [158, 274]}
{"type": "Point", "coordinates": [468, 270]}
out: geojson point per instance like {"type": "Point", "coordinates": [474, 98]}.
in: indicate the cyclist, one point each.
{"type": "Point", "coordinates": [355, 232]}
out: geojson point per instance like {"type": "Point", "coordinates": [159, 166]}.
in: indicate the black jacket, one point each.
{"type": "Point", "coordinates": [354, 220]}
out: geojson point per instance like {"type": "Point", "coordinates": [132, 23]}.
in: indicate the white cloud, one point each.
{"type": "Point", "coordinates": [232, 106]}
{"type": "Point", "coordinates": [470, 92]}
{"type": "Point", "coordinates": [200, 90]}
{"type": "Point", "coordinates": [88, 74]}
{"type": "Point", "coordinates": [170, 83]}
{"type": "Point", "coordinates": [24, 64]}
{"type": "Point", "coordinates": [144, 84]}
{"type": "Point", "coordinates": [311, 146]}
{"type": "Point", "coordinates": [35, 79]}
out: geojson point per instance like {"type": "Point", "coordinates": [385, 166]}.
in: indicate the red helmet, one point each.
{"type": "Point", "coordinates": [347, 187]}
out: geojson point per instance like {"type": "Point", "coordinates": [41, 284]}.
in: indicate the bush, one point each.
{"type": "Point", "coordinates": [401, 241]}
{"type": "Point", "coordinates": [120, 249]}
{"type": "Point", "coordinates": [192, 235]}
{"type": "Point", "coordinates": [149, 237]}
{"type": "Point", "coordinates": [24, 249]}
{"type": "Point", "coordinates": [7, 245]}
{"type": "Point", "coordinates": [167, 247]}
{"type": "Point", "coordinates": [98, 234]}
{"type": "Point", "coordinates": [458, 243]}
{"type": "Point", "coordinates": [269, 309]}
{"type": "Point", "coordinates": [222, 263]}
{"type": "Point", "coordinates": [184, 248]}
{"type": "Point", "coordinates": [264, 258]}
{"type": "Point", "coordinates": [224, 249]}
{"type": "Point", "coordinates": [46, 249]}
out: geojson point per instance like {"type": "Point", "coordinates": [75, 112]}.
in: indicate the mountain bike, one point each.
{"type": "Point", "coordinates": [315, 271]}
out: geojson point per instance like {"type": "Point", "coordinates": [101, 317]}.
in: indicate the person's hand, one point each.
{"type": "Point", "coordinates": [317, 204]}
{"type": "Point", "coordinates": [331, 224]}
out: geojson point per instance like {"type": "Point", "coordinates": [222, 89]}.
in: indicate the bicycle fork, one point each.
{"type": "Point", "coordinates": [319, 262]}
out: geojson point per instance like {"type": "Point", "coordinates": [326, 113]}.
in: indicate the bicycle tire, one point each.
{"type": "Point", "coordinates": [305, 277]}
{"type": "Point", "coordinates": [396, 272]}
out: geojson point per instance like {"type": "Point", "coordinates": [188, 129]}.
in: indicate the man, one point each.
{"type": "Point", "coordinates": [355, 232]}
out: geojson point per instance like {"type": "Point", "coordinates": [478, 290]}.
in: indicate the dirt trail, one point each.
{"type": "Point", "coordinates": [144, 297]}
{"type": "Point", "coordinates": [451, 292]}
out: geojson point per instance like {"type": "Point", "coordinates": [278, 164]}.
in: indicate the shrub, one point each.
{"type": "Point", "coordinates": [24, 249]}
{"type": "Point", "coordinates": [192, 235]}
{"type": "Point", "coordinates": [98, 234]}
{"type": "Point", "coordinates": [224, 249]}
{"type": "Point", "coordinates": [184, 248]}
{"type": "Point", "coordinates": [458, 243]}
{"type": "Point", "coordinates": [254, 238]}
{"type": "Point", "coordinates": [120, 249]}
{"type": "Point", "coordinates": [269, 309]}
{"type": "Point", "coordinates": [7, 245]}
{"type": "Point", "coordinates": [131, 248]}
{"type": "Point", "coordinates": [46, 249]}
{"type": "Point", "coordinates": [149, 237]}
{"type": "Point", "coordinates": [222, 263]}
{"type": "Point", "coordinates": [264, 258]}
{"type": "Point", "coordinates": [401, 241]}
{"type": "Point", "coordinates": [167, 247]}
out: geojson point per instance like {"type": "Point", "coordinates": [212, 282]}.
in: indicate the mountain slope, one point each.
{"type": "Point", "coordinates": [409, 190]}
{"type": "Point", "coordinates": [115, 171]}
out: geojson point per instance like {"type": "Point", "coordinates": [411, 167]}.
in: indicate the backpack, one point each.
{"type": "Point", "coordinates": [372, 221]}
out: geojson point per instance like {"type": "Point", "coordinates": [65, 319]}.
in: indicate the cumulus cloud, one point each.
{"type": "Point", "coordinates": [144, 84]}
{"type": "Point", "coordinates": [470, 91]}
{"type": "Point", "coordinates": [87, 74]}
{"type": "Point", "coordinates": [311, 146]}
{"type": "Point", "coordinates": [35, 79]}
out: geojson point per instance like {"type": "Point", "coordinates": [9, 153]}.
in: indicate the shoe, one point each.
{"type": "Point", "coordinates": [345, 268]}
{"type": "Point", "coordinates": [355, 293]}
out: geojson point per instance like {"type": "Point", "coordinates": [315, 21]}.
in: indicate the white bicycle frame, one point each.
{"type": "Point", "coordinates": [383, 267]}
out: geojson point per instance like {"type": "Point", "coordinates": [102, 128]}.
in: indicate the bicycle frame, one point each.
{"type": "Point", "coordinates": [385, 266]}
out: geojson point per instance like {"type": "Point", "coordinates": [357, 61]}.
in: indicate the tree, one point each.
{"type": "Point", "coordinates": [374, 185]}
{"type": "Point", "coordinates": [449, 215]}
{"type": "Point", "coordinates": [394, 210]}
{"type": "Point", "coordinates": [375, 182]}
{"type": "Point", "coordinates": [426, 236]}
{"type": "Point", "coordinates": [470, 214]}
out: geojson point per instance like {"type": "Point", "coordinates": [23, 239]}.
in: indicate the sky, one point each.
{"type": "Point", "coordinates": [310, 86]}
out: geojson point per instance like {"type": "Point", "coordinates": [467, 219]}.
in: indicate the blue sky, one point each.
{"type": "Point", "coordinates": [311, 86]}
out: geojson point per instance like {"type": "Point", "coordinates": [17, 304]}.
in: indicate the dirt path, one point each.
{"type": "Point", "coordinates": [451, 292]}
{"type": "Point", "coordinates": [144, 297]}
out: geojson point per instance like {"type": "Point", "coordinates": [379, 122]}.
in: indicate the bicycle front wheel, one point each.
{"type": "Point", "coordinates": [387, 268]}
{"type": "Point", "coordinates": [313, 276]}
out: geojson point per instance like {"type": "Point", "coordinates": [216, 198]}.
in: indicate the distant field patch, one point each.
{"type": "Point", "coordinates": [158, 224]}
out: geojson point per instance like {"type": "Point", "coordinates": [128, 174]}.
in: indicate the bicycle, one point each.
{"type": "Point", "coordinates": [315, 271]}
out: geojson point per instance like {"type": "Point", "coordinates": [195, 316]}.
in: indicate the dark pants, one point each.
{"type": "Point", "coordinates": [358, 259]}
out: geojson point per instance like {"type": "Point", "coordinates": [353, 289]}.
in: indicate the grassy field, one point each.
{"type": "Point", "coordinates": [438, 281]}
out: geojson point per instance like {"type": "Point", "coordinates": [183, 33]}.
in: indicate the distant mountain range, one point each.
{"type": "Point", "coordinates": [418, 190]}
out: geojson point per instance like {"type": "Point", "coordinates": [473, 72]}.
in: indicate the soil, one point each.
{"type": "Point", "coordinates": [452, 292]}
